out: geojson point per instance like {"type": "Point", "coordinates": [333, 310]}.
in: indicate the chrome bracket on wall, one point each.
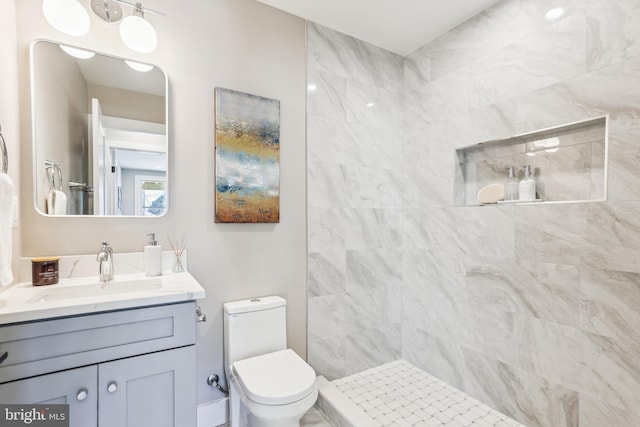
{"type": "Point", "coordinates": [5, 155]}
{"type": "Point", "coordinates": [200, 316]}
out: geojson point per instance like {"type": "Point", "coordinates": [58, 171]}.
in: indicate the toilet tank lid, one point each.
{"type": "Point", "coordinates": [254, 304]}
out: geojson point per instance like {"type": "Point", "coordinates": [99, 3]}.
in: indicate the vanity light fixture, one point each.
{"type": "Point", "coordinates": [135, 31]}
{"type": "Point", "coordinates": [77, 53]}
{"type": "Point", "coordinates": [107, 10]}
{"type": "Point", "coordinates": [139, 66]}
{"type": "Point", "coordinates": [67, 16]}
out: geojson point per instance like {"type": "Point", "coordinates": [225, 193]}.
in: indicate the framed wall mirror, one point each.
{"type": "Point", "coordinates": [100, 139]}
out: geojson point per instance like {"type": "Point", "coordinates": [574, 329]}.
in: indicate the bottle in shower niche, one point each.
{"type": "Point", "coordinates": [511, 186]}
{"type": "Point", "coordinates": [527, 187]}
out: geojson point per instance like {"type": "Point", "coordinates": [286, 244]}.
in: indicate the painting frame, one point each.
{"type": "Point", "coordinates": [247, 158]}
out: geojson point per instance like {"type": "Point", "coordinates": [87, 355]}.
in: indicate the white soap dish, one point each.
{"type": "Point", "coordinates": [491, 193]}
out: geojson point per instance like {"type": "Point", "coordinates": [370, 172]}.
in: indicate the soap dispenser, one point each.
{"type": "Point", "coordinates": [152, 257]}
{"type": "Point", "coordinates": [527, 187]}
{"type": "Point", "coordinates": [511, 186]}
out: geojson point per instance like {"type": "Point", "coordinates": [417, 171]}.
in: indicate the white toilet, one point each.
{"type": "Point", "coordinates": [269, 385]}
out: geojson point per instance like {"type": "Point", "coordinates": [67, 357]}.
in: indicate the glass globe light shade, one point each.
{"type": "Point", "coordinates": [77, 53]}
{"type": "Point", "coordinates": [138, 34]}
{"type": "Point", "coordinates": [67, 16]}
{"type": "Point", "coordinates": [138, 66]}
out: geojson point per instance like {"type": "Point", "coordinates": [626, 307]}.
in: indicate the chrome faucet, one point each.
{"type": "Point", "coordinates": [105, 257]}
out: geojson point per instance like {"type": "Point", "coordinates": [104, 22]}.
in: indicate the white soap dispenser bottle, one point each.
{"type": "Point", "coordinates": [511, 186]}
{"type": "Point", "coordinates": [527, 187]}
{"type": "Point", "coordinates": [152, 257]}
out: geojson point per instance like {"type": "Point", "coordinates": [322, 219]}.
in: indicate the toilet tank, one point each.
{"type": "Point", "coordinates": [254, 327]}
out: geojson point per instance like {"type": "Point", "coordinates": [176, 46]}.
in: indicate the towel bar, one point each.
{"type": "Point", "coordinates": [56, 169]}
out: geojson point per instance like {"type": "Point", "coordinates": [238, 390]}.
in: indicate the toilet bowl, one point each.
{"type": "Point", "coordinates": [276, 389]}
{"type": "Point", "coordinates": [269, 385]}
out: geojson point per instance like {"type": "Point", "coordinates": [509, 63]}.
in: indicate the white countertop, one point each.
{"type": "Point", "coordinates": [24, 302]}
{"type": "Point", "coordinates": [80, 292]}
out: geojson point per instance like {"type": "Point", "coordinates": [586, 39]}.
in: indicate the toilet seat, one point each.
{"type": "Point", "coordinates": [277, 378]}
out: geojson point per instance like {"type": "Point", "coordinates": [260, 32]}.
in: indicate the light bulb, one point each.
{"type": "Point", "coordinates": [138, 34]}
{"type": "Point", "coordinates": [138, 66]}
{"type": "Point", "coordinates": [67, 16]}
{"type": "Point", "coordinates": [77, 53]}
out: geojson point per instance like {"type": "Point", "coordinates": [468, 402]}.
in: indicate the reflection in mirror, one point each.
{"type": "Point", "coordinates": [99, 133]}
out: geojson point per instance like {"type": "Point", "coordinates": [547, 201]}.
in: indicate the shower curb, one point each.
{"type": "Point", "coordinates": [339, 409]}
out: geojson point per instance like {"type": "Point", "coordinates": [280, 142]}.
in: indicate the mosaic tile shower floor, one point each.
{"type": "Point", "coordinates": [398, 394]}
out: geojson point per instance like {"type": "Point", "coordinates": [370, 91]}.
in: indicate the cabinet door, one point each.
{"type": "Point", "coordinates": [76, 387]}
{"type": "Point", "coordinates": [156, 389]}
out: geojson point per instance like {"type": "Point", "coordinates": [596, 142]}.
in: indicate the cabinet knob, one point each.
{"type": "Point", "coordinates": [82, 394]}
{"type": "Point", "coordinates": [112, 387]}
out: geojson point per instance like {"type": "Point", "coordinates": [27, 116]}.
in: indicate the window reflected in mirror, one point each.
{"type": "Point", "coordinates": [150, 195]}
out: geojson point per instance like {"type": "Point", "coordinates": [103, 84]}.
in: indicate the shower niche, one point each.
{"type": "Point", "coordinates": [568, 163]}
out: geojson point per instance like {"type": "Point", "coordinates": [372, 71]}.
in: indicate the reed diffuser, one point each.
{"type": "Point", "coordinates": [178, 249]}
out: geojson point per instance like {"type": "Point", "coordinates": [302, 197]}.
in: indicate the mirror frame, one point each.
{"type": "Point", "coordinates": [35, 165]}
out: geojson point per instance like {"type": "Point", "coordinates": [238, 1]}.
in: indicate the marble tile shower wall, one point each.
{"type": "Point", "coordinates": [354, 118]}
{"type": "Point", "coordinates": [534, 310]}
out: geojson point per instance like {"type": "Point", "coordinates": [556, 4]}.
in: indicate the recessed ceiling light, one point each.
{"type": "Point", "coordinates": [370, 104]}
{"type": "Point", "coordinates": [554, 14]}
{"type": "Point", "coordinates": [312, 87]}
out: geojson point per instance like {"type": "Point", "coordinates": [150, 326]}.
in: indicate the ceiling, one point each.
{"type": "Point", "coordinates": [109, 71]}
{"type": "Point", "coordinates": [400, 26]}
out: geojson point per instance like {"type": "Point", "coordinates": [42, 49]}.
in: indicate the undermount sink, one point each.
{"type": "Point", "coordinates": [96, 289]}
{"type": "Point", "coordinates": [79, 290]}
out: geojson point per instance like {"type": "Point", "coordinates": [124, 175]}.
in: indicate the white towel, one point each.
{"type": "Point", "coordinates": [56, 205]}
{"type": "Point", "coordinates": [6, 222]}
{"type": "Point", "coordinates": [60, 206]}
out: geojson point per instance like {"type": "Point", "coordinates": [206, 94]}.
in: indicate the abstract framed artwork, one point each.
{"type": "Point", "coordinates": [247, 156]}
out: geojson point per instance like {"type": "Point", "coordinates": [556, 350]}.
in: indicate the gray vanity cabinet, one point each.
{"type": "Point", "coordinates": [156, 390]}
{"type": "Point", "coordinates": [124, 368]}
{"type": "Point", "coordinates": [76, 387]}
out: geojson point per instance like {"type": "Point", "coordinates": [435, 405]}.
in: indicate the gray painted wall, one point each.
{"type": "Point", "coordinates": [238, 44]}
